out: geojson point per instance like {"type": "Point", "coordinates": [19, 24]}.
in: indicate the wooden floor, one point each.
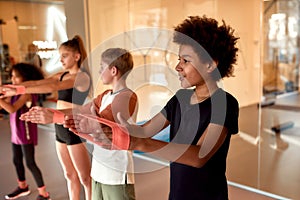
{"type": "Point", "coordinates": [261, 165]}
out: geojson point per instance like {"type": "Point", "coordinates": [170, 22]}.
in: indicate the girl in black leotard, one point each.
{"type": "Point", "coordinates": [73, 86]}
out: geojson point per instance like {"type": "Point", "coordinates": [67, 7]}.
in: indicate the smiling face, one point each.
{"type": "Point", "coordinates": [191, 71]}
{"type": "Point", "coordinates": [16, 78]}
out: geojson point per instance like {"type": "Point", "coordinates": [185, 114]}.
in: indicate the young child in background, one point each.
{"type": "Point", "coordinates": [32, 56]}
{"type": "Point", "coordinates": [24, 135]}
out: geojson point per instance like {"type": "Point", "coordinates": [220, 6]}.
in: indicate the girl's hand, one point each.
{"type": "Point", "coordinates": [89, 129]}
{"type": "Point", "coordinates": [6, 91]}
{"type": "Point", "coordinates": [79, 123]}
{"type": "Point", "coordinates": [38, 115]}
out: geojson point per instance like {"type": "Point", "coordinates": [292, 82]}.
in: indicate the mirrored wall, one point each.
{"type": "Point", "coordinates": [27, 24]}
{"type": "Point", "coordinates": [281, 47]}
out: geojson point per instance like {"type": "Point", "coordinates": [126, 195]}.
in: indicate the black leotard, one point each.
{"type": "Point", "coordinates": [72, 95]}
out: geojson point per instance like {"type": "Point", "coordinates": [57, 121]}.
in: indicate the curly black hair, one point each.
{"type": "Point", "coordinates": [27, 71]}
{"type": "Point", "coordinates": [213, 42]}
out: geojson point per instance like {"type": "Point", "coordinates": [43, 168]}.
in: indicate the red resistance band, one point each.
{"type": "Point", "coordinates": [58, 116]}
{"type": "Point", "coordinates": [20, 89]}
{"type": "Point", "coordinates": [120, 135]}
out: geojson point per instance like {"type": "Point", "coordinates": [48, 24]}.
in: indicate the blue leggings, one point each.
{"type": "Point", "coordinates": [28, 151]}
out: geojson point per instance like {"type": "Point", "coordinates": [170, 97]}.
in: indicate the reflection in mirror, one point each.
{"type": "Point", "coordinates": [42, 23]}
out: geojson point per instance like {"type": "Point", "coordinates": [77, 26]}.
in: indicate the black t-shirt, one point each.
{"type": "Point", "coordinates": [187, 124]}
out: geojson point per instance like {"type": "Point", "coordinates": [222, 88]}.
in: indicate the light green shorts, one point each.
{"type": "Point", "coordinates": [112, 192]}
